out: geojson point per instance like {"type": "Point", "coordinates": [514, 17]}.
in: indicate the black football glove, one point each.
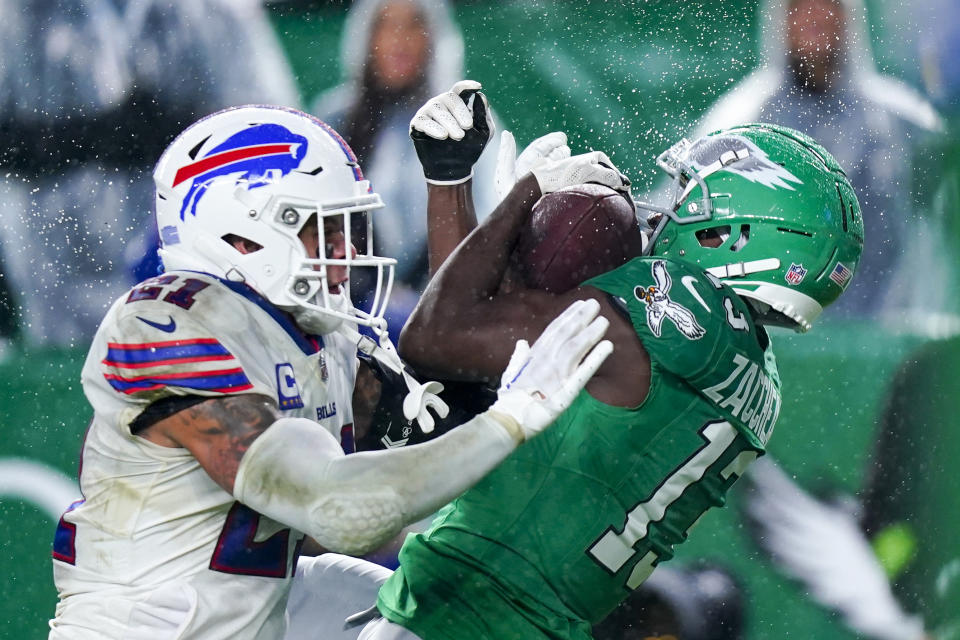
{"type": "Point", "coordinates": [389, 428]}
{"type": "Point", "coordinates": [449, 133]}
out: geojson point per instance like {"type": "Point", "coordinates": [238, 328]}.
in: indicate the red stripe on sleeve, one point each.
{"type": "Point", "coordinates": [168, 343]}
{"type": "Point", "coordinates": [161, 363]}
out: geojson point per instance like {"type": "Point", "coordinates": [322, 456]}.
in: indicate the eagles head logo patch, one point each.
{"type": "Point", "coordinates": [660, 306]}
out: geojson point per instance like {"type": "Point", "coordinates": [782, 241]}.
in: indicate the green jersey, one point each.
{"type": "Point", "coordinates": [554, 538]}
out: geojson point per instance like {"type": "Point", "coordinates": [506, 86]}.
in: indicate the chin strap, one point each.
{"type": "Point", "coordinates": [420, 397]}
{"type": "Point", "coordinates": [315, 322]}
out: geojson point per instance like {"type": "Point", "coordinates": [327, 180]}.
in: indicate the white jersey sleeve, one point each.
{"type": "Point", "coordinates": [153, 533]}
{"type": "Point", "coordinates": [186, 333]}
{"type": "Point", "coordinates": [162, 339]}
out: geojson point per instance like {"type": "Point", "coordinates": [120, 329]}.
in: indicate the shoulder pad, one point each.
{"type": "Point", "coordinates": [176, 330]}
{"type": "Point", "coordinates": [680, 312]}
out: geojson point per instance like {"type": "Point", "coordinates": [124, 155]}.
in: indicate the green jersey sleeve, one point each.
{"type": "Point", "coordinates": [698, 329]}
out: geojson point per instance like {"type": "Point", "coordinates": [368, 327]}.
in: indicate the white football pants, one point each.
{"type": "Point", "coordinates": [326, 590]}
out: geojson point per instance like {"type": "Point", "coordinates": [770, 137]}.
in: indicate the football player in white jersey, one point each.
{"type": "Point", "coordinates": [222, 388]}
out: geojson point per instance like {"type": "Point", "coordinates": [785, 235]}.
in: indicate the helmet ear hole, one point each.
{"type": "Point", "coordinates": [241, 244]}
{"type": "Point", "coordinates": [713, 237]}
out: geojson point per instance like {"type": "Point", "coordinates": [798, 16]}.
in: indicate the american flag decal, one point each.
{"type": "Point", "coordinates": [841, 275]}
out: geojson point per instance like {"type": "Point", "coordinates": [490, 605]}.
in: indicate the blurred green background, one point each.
{"type": "Point", "coordinates": [628, 78]}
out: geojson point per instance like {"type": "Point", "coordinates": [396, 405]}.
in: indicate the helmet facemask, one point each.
{"type": "Point", "coordinates": [324, 300]}
{"type": "Point", "coordinates": [260, 174]}
{"type": "Point", "coordinates": [676, 163]}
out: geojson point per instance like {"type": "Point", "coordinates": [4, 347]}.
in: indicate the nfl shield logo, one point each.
{"type": "Point", "coordinates": [795, 274]}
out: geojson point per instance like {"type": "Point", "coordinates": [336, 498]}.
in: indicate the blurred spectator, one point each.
{"type": "Point", "coordinates": [63, 76]}
{"type": "Point", "coordinates": [395, 55]}
{"type": "Point", "coordinates": [930, 301]}
{"type": "Point", "coordinates": [817, 75]}
{"type": "Point", "coordinates": [885, 563]}
{"type": "Point", "coordinates": [90, 91]}
{"type": "Point", "coordinates": [911, 501]}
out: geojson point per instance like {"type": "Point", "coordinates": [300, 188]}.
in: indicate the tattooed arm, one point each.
{"type": "Point", "coordinates": [294, 471]}
{"type": "Point", "coordinates": [217, 432]}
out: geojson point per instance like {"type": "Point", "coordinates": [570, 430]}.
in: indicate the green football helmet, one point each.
{"type": "Point", "coordinates": [767, 210]}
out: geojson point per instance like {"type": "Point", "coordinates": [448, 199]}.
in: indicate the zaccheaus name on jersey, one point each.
{"type": "Point", "coordinates": [750, 395]}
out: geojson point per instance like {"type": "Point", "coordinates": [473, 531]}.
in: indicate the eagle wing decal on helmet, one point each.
{"type": "Point", "coordinates": [755, 165]}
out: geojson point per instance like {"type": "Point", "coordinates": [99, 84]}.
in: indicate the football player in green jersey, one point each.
{"type": "Point", "coordinates": [763, 228]}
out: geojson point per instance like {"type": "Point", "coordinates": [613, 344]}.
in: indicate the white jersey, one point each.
{"type": "Point", "coordinates": [156, 549]}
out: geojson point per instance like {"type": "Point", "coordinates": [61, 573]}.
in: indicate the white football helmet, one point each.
{"type": "Point", "coordinates": [260, 173]}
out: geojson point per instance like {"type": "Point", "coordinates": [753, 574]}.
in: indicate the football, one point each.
{"type": "Point", "coordinates": [574, 234]}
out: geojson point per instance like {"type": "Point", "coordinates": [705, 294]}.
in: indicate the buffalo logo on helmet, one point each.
{"type": "Point", "coordinates": [261, 154]}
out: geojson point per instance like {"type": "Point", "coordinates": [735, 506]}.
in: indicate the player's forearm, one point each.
{"type": "Point", "coordinates": [450, 218]}
{"type": "Point", "coordinates": [424, 477]}
{"type": "Point", "coordinates": [454, 299]}
{"type": "Point", "coordinates": [486, 251]}
{"type": "Point", "coordinates": [296, 475]}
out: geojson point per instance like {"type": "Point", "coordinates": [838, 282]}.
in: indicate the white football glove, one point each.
{"type": "Point", "coordinates": [541, 381]}
{"type": "Point", "coordinates": [446, 115]}
{"type": "Point", "coordinates": [586, 167]}
{"type": "Point", "coordinates": [511, 167]}
{"type": "Point", "coordinates": [420, 396]}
